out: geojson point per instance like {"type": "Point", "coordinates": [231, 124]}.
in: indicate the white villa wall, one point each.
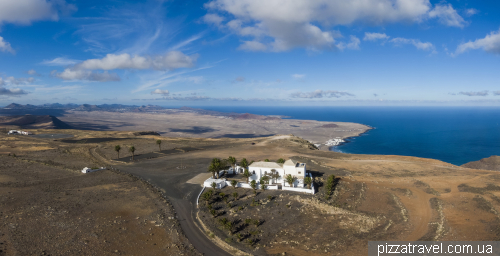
{"type": "Point", "coordinates": [261, 171]}
{"type": "Point", "coordinates": [303, 190]}
{"type": "Point", "coordinates": [220, 183]}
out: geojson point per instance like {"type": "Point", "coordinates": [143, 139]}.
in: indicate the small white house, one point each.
{"type": "Point", "coordinates": [88, 170]}
{"type": "Point", "coordinates": [19, 132]}
{"type": "Point", "coordinates": [219, 183]}
{"type": "Point", "coordinates": [292, 167]}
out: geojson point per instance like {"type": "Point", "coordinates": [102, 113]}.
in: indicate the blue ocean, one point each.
{"type": "Point", "coordinates": [455, 135]}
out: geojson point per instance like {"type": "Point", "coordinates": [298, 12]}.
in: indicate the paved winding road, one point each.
{"type": "Point", "coordinates": [163, 173]}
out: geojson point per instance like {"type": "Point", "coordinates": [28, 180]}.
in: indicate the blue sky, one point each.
{"type": "Point", "coordinates": [250, 52]}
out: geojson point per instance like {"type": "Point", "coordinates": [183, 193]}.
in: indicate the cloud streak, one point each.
{"type": "Point", "coordinates": [490, 43]}
{"type": "Point", "coordinates": [320, 94]}
{"type": "Point", "coordinates": [481, 93]}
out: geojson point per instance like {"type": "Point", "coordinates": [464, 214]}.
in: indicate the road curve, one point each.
{"type": "Point", "coordinates": [182, 196]}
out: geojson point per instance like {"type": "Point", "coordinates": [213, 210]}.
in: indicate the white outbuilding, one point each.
{"type": "Point", "coordinates": [88, 170]}
{"type": "Point", "coordinates": [219, 183]}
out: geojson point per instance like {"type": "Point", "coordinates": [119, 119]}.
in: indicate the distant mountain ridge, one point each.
{"type": "Point", "coordinates": [35, 122]}
{"type": "Point", "coordinates": [131, 108]}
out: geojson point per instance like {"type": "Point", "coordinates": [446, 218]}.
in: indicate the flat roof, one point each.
{"type": "Point", "coordinates": [266, 165]}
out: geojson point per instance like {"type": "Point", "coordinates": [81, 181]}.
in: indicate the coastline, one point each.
{"type": "Point", "coordinates": [343, 141]}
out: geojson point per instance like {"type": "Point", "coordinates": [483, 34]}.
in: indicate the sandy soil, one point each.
{"type": "Point", "coordinates": [376, 198]}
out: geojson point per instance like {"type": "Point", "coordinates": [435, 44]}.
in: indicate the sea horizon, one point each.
{"type": "Point", "coordinates": [453, 134]}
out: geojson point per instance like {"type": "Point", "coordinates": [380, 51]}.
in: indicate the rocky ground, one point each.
{"type": "Point", "coordinates": [48, 207]}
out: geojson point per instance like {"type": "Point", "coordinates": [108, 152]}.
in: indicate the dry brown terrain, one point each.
{"type": "Point", "coordinates": [195, 125]}
{"type": "Point", "coordinates": [376, 198]}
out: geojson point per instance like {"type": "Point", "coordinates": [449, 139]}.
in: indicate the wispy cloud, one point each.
{"type": "Point", "coordinates": [375, 36]}
{"type": "Point", "coordinates": [320, 94]}
{"type": "Point", "coordinates": [490, 43]}
{"type": "Point", "coordinates": [166, 79]}
{"type": "Point", "coordinates": [162, 92]}
{"type": "Point", "coordinates": [481, 93]}
{"type": "Point", "coordinates": [60, 61]}
{"type": "Point", "coordinates": [5, 46]}
{"type": "Point", "coordinates": [425, 46]}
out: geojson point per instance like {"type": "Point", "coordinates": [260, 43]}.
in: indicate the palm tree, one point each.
{"type": "Point", "coordinates": [234, 183]}
{"type": "Point", "coordinates": [132, 150]}
{"type": "Point", "coordinates": [244, 163]}
{"type": "Point", "coordinates": [265, 179]}
{"type": "Point", "coordinates": [235, 195]}
{"type": "Point", "coordinates": [308, 181]}
{"type": "Point", "coordinates": [216, 166]}
{"type": "Point", "coordinates": [275, 175]}
{"type": "Point", "coordinates": [247, 174]}
{"type": "Point", "coordinates": [213, 185]}
{"type": "Point", "coordinates": [290, 179]}
{"type": "Point", "coordinates": [117, 149]}
{"type": "Point", "coordinates": [232, 161]}
{"type": "Point", "coordinates": [253, 184]}
{"type": "Point", "coordinates": [159, 144]}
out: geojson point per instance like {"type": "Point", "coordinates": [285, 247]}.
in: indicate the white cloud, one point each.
{"type": "Point", "coordinates": [352, 45]}
{"type": "Point", "coordinates": [415, 42]}
{"type": "Point", "coordinates": [471, 11]}
{"type": "Point", "coordinates": [5, 46]}
{"type": "Point", "coordinates": [448, 16]}
{"type": "Point", "coordinates": [490, 43]}
{"type": "Point", "coordinates": [21, 80]}
{"type": "Point", "coordinates": [281, 25]}
{"type": "Point", "coordinates": [299, 76]}
{"type": "Point", "coordinates": [213, 19]}
{"type": "Point", "coordinates": [169, 61]}
{"type": "Point", "coordinates": [71, 74]}
{"type": "Point", "coordinates": [481, 93]}
{"type": "Point", "coordinates": [162, 92]}
{"type": "Point", "coordinates": [61, 61]}
{"type": "Point", "coordinates": [82, 71]}
{"type": "Point", "coordinates": [253, 46]}
{"type": "Point", "coordinates": [320, 94]}
{"type": "Point", "coordinates": [26, 11]}
{"type": "Point", "coordinates": [375, 36]}
{"type": "Point", "coordinates": [32, 72]}
{"type": "Point", "coordinates": [12, 92]}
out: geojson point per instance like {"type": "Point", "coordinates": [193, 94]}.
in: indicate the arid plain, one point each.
{"type": "Point", "coordinates": [149, 205]}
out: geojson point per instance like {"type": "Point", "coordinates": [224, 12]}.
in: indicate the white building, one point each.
{"type": "Point", "coordinates": [19, 132]}
{"type": "Point", "coordinates": [292, 167]}
{"type": "Point", "coordinates": [219, 183]}
{"type": "Point", "coordinates": [89, 170]}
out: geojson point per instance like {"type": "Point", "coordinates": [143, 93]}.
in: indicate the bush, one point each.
{"type": "Point", "coordinates": [330, 182]}
{"type": "Point", "coordinates": [256, 223]}
{"type": "Point", "coordinates": [250, 241]}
